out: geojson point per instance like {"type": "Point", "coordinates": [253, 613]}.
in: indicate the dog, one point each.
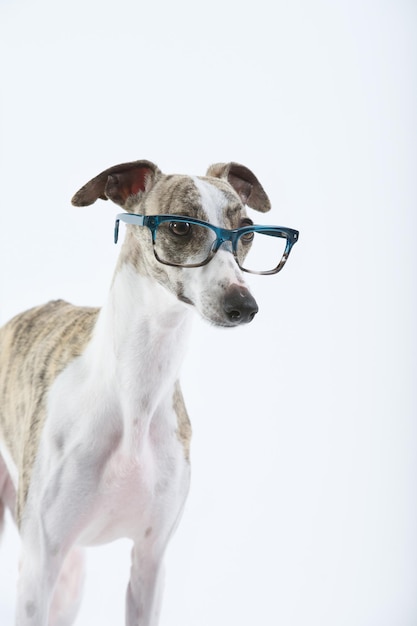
{"type": "Point", "coordinates": [94, 433]}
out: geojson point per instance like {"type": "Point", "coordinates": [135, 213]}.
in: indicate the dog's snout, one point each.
{"type": "Point", "coordinates": [239, 305]}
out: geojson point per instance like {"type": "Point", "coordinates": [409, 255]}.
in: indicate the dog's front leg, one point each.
{"type": "Point", "coordinates": [57, 510]}
{"type": "Point", "coordinates": [36, 591]}
{"type": "Point", "coordinates": [144, 592]}
{"type": "Point", "coordinates": [33, 594]}
{"type": "Point", "coordinates": [39, 572]}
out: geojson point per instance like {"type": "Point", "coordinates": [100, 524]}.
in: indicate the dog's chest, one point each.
{"type": "Point", "coordinates": [138, 495]}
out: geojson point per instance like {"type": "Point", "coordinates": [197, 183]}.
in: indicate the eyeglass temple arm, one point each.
{"type": "Point", "coordinates": [129, 218]}
{"type": "Point", "coordinates": [275, 231]}
{"type": "Point", "coordinates": [116, 230]}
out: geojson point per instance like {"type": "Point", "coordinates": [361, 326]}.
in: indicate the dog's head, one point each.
{"type": "Point", "coordinates": [217, 290]}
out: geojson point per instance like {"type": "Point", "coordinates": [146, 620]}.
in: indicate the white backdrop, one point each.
{"type": "Point", "coordinates": [302, 507]}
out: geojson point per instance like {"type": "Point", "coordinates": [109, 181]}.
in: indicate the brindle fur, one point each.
{"type": "Point", "coordinates": [35, 347]}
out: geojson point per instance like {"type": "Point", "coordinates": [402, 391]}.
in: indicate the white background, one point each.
{"type": "Point", "coordinates": [302, 510]}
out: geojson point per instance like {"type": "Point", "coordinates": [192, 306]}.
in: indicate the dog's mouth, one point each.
{"type": "Point", "coordinates": [184, 299]}
{"type": "Point", "coordinates": [227, 321]}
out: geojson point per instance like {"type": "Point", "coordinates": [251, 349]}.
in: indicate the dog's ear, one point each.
{"type": "Point", "coordinates": [123, 184]}
{"type": "Point", "coordinates": [244, 182]}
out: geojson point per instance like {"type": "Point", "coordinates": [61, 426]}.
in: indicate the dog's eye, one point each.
{"type": "Point", "coordinates": [247, 237]}
{"type": "Point", "coordinates": [180, 228]}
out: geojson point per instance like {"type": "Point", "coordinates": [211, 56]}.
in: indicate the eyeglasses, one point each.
{"type": "Point", "coordinates": [182, 241]}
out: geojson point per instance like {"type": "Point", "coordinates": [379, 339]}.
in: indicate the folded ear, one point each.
{"type": "Point", "coordinates": [124, 184]}
{"type": "Point", "coordinates": [244, 182]}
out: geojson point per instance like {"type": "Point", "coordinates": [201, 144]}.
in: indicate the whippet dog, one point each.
{"type": "Point", "coordinates": [94, 434]}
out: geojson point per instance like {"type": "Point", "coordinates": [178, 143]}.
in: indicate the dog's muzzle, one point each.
{"type": "Point", "coordinates": [239, 305]}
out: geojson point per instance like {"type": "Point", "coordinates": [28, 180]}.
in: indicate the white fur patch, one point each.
{"type": "Point", "coordinates": [213, 201]}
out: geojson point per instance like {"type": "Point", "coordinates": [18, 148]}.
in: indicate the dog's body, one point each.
{"type": "Point", "coordinates": [94, 435]}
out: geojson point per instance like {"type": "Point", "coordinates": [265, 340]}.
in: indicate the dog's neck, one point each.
{"type": "Point", "coordinates": [140, 340]}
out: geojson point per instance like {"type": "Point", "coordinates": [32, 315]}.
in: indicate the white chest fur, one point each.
{"type": "Point", "coordinates": [140, 491]}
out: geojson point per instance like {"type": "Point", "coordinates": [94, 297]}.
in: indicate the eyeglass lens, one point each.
{"type": "Point", "coordinates": [260, 252]}
{"type": "Point", "coordinates": [184, 244]}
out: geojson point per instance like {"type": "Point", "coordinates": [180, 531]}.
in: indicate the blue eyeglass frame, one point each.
{"type": "Point", "coordinates": [223, 235]}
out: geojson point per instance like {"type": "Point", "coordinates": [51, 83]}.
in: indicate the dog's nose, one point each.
{"type": "Point", "coordinates": [239, 305]}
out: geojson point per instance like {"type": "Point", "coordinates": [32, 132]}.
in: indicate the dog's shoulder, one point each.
{"type": "Point", "coordinates": [37, 344]}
